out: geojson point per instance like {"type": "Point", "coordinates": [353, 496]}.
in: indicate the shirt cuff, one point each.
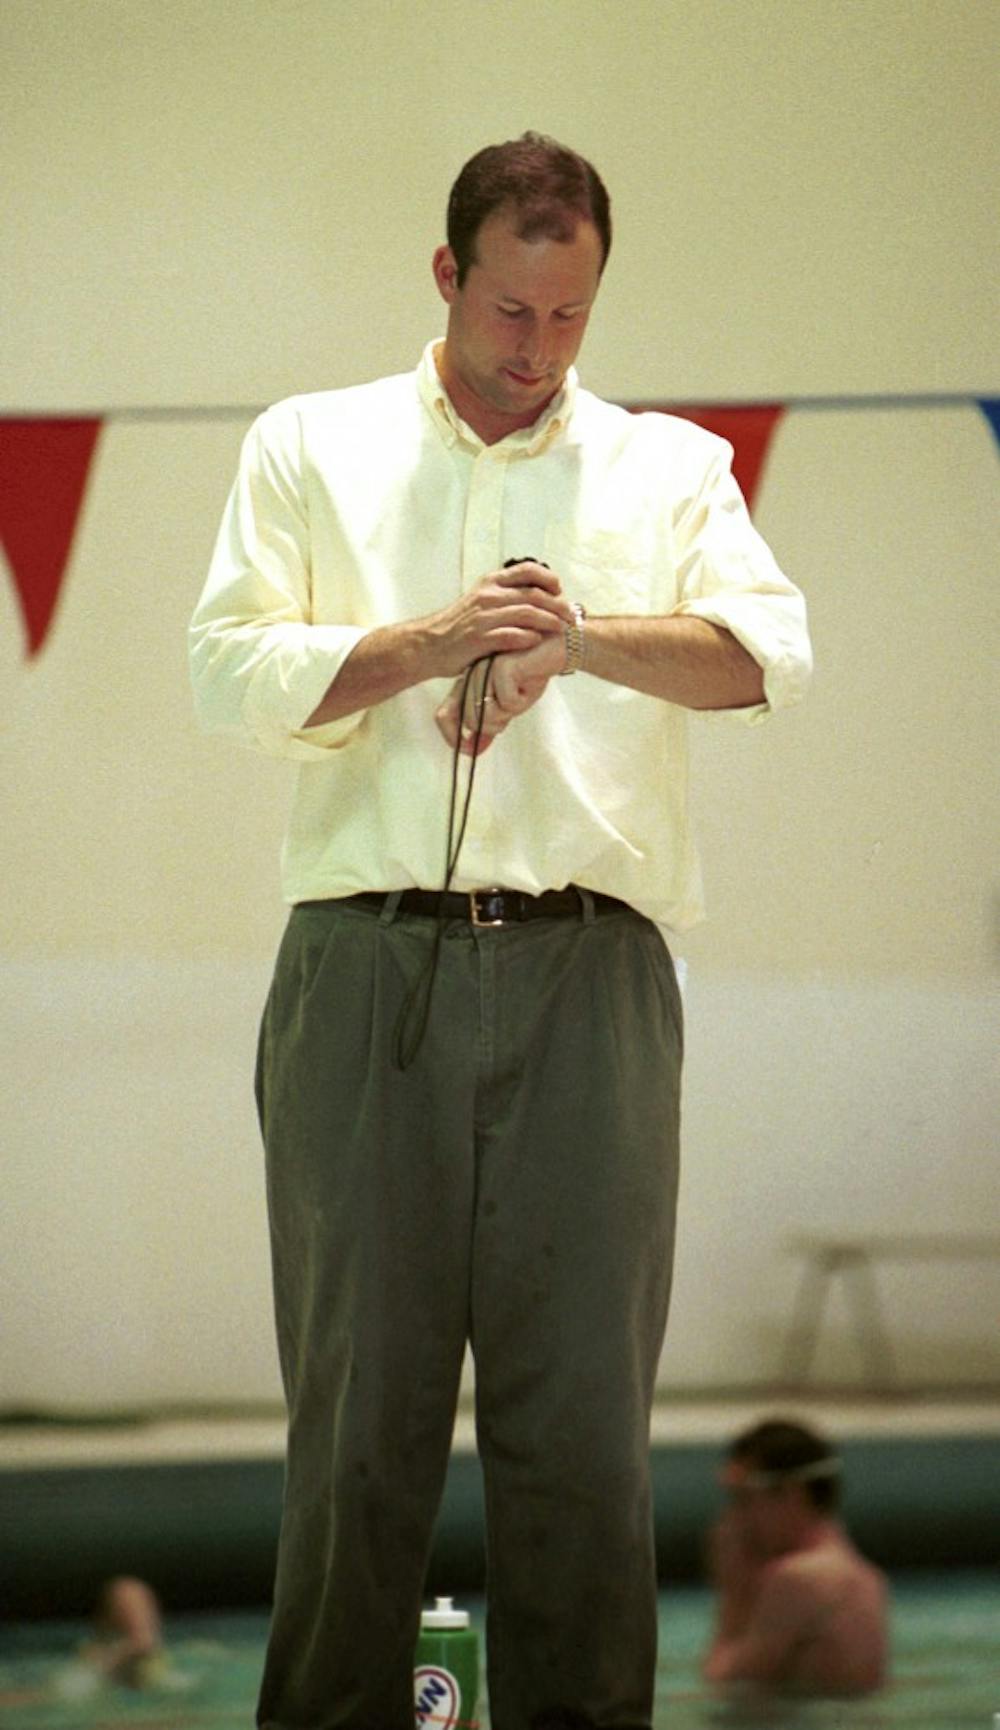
{"type": "Point", "coordinates": [289, 684]}
{"type": "Point", "coordinates": [778, 646]}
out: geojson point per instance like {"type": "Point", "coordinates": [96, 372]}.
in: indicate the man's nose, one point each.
{"type": "Point", "coordinates": [533, 346]}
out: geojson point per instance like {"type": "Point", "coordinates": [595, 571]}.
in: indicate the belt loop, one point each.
{"type": "Point", "coordinates": [587, 903]}
{"type": "Point", "coordinates": [390, 907]}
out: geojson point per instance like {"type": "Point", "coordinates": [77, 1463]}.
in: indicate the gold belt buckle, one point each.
{"type": "Point", "coordinates": [474, 912]}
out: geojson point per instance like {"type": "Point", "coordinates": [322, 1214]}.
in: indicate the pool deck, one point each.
{"type": "Point", "coordinates": [678, 1419]}
{"type": "Point", "coordinates": [193, 1501]}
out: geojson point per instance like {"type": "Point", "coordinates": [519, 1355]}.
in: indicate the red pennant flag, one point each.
{"type": "Point", "coordinates": [44, 466]}
{"type": "Point", "coordinates": [749, 430]}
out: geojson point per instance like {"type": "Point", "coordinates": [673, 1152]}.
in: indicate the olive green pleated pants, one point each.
{"type": "Point", "coordinates": [516, 1187]}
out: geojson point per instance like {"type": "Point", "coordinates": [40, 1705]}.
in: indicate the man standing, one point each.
{"type": "Point", "coordinates": [470, 1102]}
{"type": "Point", "coordinates": [798, 1607]}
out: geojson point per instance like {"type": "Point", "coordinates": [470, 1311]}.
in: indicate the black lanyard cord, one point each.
{"type": "Point", "coordinates": [412, 1023]}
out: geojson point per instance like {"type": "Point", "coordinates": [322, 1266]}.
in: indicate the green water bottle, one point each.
{"type": "Point", "coordinates": [446, 1670]}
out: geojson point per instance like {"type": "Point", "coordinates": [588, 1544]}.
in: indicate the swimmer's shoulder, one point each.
{"type": "Point", "coordinates": [828, 1569]}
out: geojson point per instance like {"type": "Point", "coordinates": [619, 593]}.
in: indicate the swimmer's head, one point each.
{"type": "Point", "coordinates": [778, 1452]}
{"type": "Point", "coordinates": [780, 1480]}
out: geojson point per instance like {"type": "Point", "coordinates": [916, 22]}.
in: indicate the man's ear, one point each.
{"type": "Point", "coordinates": [445, 273]}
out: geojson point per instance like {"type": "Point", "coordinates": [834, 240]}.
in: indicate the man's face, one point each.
{"type": "Point", "coordinates": [516, 324]}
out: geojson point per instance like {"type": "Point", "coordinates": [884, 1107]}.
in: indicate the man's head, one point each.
{"type": "Point", "coordinates": [546, 188]}
{"type": "Point", "coordinates": [528, 234]}
{"type": "Point", "coordinates": [781, 1477]}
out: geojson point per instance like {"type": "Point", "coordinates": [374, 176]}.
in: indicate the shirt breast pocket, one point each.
{"type": "Point", "coordinates": [608, 569]}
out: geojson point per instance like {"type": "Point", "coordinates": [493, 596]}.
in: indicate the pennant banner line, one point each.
{"type": "Point", "coordinates": [46, 461]}
{"type": "Point", "coordinates": [663, 405]}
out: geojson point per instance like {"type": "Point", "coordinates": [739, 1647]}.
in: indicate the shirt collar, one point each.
{"type": "Point", "coordinates": [527, 441]}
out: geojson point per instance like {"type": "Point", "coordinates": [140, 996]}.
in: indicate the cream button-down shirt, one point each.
{"type": "Point", "coordinates": [375, 504]}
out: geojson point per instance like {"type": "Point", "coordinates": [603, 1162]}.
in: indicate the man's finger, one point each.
{"type": "Point", "coordinates": [529, 572]}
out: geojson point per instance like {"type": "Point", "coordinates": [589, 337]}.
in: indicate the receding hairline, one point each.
{"type": "Point", "coordinates": [530, 223]}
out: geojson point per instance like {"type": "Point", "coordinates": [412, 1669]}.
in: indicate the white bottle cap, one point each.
{"type": "Point", "coordinates": [444, 1615]}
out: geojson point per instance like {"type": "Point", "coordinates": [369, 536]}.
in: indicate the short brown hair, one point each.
{"type": "Point", "coordinates": [550, 187]}
{"type": "Point", "coordinates": [778, 1451]}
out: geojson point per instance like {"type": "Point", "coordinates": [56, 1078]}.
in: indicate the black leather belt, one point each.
{"type": "Point", "coordinates": [484, 906]}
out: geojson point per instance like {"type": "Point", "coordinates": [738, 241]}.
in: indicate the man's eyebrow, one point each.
{"type": "Point", "coordinates": [567, 306]}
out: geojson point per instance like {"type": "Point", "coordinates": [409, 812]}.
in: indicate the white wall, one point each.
{"type": "Point", "coordinates": [219, 205]}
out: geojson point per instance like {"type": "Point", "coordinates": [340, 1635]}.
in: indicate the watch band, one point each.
{"type": "Point", "coordinates": [575, 645]}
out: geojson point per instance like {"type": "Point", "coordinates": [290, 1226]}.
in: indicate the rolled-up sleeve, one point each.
{"type": "Point", "coordinates": [728, 575]}
{"type": "Point", "coordinates": [259, 665]}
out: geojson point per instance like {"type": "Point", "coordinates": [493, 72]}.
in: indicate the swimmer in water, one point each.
{"type": "Point", "coordinates": [799, 1608]}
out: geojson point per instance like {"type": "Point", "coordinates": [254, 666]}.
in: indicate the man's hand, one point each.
{"type": "Point", "coordinates": [512, 610]}
{"type": "Point", "coordinates": [481, 718]}
{"type": "Point", "coordinates": [520, 679]}
{"type": "Point", "coordinates": [519, 674]}
{"type": "Point", "coordinates": [736, 1571]}
{"type": "Point", "coordinates": [515, 683]}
